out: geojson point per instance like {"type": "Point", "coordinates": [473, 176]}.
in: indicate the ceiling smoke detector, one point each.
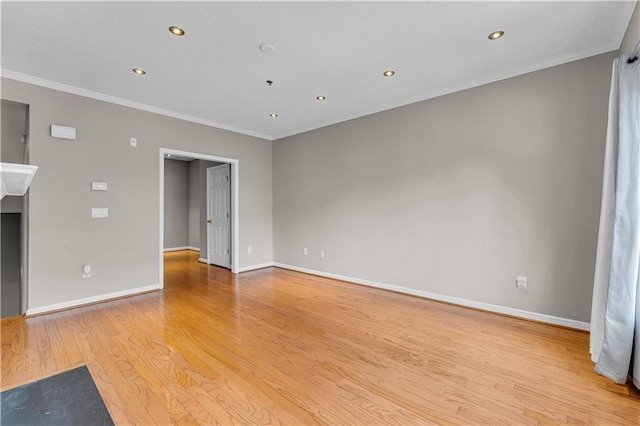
{"type": "Point", "coordinates": [267, 48]}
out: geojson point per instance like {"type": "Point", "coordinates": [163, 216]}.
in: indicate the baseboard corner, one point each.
{"type": "Point", "coordinates": [254, 267]}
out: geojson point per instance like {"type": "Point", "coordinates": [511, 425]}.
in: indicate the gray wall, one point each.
{"type": "Point", "coordinates": [632, 35]}
{"type": "Point", "coordinates": [194, 203]}
{"type": "Point", "coordinates": [176, 203]}
{"type": "Point", "coordinates": [458, 195]}
{"type": "Point", "coordinates": [12, 150]}
{"type": "Point", "coordinates": [122, 249]}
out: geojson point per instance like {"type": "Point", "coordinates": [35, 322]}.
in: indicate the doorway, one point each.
{"type": "Point", "coordinates": [232, 207]}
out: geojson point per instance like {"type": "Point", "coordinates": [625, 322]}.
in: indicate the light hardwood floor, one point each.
{"type": "Point", "coordinates": [274, 346]}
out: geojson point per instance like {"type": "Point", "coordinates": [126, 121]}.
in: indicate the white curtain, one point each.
{"type": "Point", "coordinates": [615, 315]}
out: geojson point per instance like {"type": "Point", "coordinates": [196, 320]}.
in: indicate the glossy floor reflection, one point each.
{"type": "Point", "coordinates": [274, 346]}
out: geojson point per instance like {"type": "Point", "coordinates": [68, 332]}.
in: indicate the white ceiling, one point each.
{"type": "Point", "coordinates": [216, 73]}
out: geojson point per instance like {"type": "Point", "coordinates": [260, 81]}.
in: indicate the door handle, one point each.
{"type": "Point", "coordinates": [208, 220]}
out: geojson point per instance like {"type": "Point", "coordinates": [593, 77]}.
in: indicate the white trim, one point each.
{"type": "Point", "coordinates": [92, 299]}
{"type": "Point", "coordinates": [203, 261]}
{"type": "Point", "coordinates": [235, 201]}
{"type": "Point", "coordinates": [37, 81]}
{"type": "Point", "coordinates": [549, 319]}
{"type": "Point", "coordinates": [235, 226]}
{"type": "Point", "coordinates": [254, 267]}
{"type": "Point", "coordinates": [161, 221]}
{"type": "Point", "coordinates": [181, 248]}
{"type": "Point", "coordinates": [440, 91]}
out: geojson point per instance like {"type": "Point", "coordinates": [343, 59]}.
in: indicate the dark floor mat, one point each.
{"type": "Point", "coordinates": [69, 398]}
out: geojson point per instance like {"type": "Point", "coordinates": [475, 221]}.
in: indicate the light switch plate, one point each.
{"type": "Point", "coordinates": [98, 186]}
{"type": "Point", "coordinates": [99, 212]}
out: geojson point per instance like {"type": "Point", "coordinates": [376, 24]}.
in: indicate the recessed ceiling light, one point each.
{"type": "Point", "coordinates": [139, 71]}
{"type": "Point", "coordinates": [496, 35]}
{"type": "Point", "coordinates": [321, 98]}
{"type": "Point", "coordinates": [273, 115]}
{"type": "Point", "coordinates": [389, 73]}
{"type": "Point", "coordinates": [176, 31]}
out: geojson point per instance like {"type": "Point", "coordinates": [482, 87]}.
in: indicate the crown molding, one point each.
{"type": "Point", "coordinates": [49, 84]}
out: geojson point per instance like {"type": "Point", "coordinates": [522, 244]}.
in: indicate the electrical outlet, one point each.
{"type": "Point", "coordinates": [305, 251]}
{"type": "Point", "coordinates": [521, 282]}
{"type": "Point", "coordinates": [249, 249]}
{"type": "Point", "coordinates": [133, 142]}
{"type": "Point", "coordinates": [86, 271]}
{"type": "Point", "coordinates": [322, 254]}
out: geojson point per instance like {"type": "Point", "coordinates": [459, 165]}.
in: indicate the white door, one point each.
{"type": "Point", "coordinates": [219, 215]}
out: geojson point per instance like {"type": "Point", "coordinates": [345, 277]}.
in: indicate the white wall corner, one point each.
{"type": "Point", "coordinates": [254, 267]}
{"type": "Point", "coordinates": [181, 248]}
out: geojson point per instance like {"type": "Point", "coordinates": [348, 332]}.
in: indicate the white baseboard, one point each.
{"type": "Point", "coordinates": [549, 319]}
{"type": "Point", "coordinates": [203, 260]}
{"type": "Point", "coordinates": [182, 248]}
{"type": "Point", "coordinates": [254, 267]}
{"type": "Point", "coordinates": [92, 299]}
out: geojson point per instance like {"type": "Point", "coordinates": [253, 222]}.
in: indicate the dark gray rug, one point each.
{"type": "Point", "coordinates": [69, 398]}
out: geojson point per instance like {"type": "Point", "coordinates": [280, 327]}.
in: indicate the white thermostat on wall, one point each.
{"type": "Point", "coordinates": [63, 132]}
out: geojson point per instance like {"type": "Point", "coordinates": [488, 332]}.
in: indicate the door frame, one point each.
{"type": "Point", "coordinates": [209, 215]}
{"type": "Point", "coordinates": [235, 205]}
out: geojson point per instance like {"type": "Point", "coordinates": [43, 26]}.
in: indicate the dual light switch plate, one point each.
{"type": "Point", "coordinates": [99, 212]}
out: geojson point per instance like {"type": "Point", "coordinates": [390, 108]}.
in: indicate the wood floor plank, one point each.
{"type": "Point", "coordinates": [280, 347]}
{"type": "Point", "coordinates": [110, 395]}
{"type": "Point", "coordinates": [12, 358]}
{"type": "Point", "coordinates": [58, 346]}
{"type": "Point", "coordinates": [47, 362]}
